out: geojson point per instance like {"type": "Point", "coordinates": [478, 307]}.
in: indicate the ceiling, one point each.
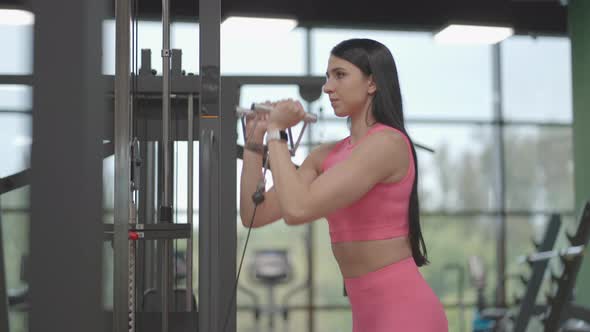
{"type": "Point", "coordinates": [535, 17]}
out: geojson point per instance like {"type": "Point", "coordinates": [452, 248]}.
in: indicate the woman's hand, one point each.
{"type": "Point", "coordinates": [256, 125]}
{"type": "Point", "coordinates": [286, 114]}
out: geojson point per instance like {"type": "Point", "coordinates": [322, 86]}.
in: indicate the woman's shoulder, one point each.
{"type": "Point", "coordinates": [384, 150]}
{"type": "Point", "coordinates": [380, 127]}
{"type": "Point", "coordinates": [383, 140]}
{"type": "Point", "coordinates": [387, 135]}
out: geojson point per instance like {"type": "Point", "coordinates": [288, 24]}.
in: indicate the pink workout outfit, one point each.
{"type": "Point", "coordinates": [395, 298]}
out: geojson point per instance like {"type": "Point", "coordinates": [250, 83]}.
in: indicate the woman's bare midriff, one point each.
{"type": "Point", "coordinates": [360, 257]}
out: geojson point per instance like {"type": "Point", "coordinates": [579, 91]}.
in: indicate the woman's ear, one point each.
{"type": "Point", "coordinates": [372, 86]}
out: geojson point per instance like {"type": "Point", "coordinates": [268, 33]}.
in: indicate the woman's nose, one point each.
{"type": "Point", "coordinates": [327, 87]}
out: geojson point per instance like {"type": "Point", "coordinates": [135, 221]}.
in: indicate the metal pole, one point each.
{"type": "Point", "coordinates": [122, 166]}
{"type": "Point", "coordinates": [146, 252]}
{"type": "Point", "coordinates": [461, 303]}
{"type": "Point", "coordinates": [66, 189]}
{"type": "Point", "coordinates": [227, 191]}
{"type": "Point", "coordinates": [500, 178]}
{"type": "Point", "coordinates": [166, 97]}
{"type": "Point", "coordinates": [150, 213]}
{"type": "Point", "coordinates": [4, 326]}
{"type": "Point", "coordinates": [271, 309]}
{"type": "Point", "coordinates": [217, 226]}
{"type": "Point", "coordinates": [166, 208]}
{"type": "Point", "coordinates": [310, 226]}
{"type": "Point", "coordinates": [189, 245]}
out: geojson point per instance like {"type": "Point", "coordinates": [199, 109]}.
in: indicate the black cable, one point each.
{"type": "Point", "coordinates": [257, 199]}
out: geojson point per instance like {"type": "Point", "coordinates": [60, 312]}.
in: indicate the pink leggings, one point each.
{"type": "Point", "coordinates": [395, 298]}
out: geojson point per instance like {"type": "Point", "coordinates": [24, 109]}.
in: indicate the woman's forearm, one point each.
{"type": "Point", "coordinates": [290, 190]}
{"type": "Point", "coordinates": [251, 176]}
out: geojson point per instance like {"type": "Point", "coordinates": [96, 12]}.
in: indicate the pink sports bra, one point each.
{"type": "Point", "coordinates": [382, 213]}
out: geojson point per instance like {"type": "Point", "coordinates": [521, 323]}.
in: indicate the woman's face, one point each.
{"type": "Point", "coordinates": [348, 88]}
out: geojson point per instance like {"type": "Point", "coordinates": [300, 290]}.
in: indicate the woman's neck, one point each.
{"type": "Point", "coordinates": [360, 124]}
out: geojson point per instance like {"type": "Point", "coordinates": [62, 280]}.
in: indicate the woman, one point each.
{"type": "Point", "coordinates": [365, 185]}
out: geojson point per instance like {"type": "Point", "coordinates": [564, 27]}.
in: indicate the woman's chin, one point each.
{"type": "Point", "coordinates": [340, 113]}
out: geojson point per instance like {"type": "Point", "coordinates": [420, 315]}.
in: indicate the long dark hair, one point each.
{"type": "Point", "coordinates": [373, 58]}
